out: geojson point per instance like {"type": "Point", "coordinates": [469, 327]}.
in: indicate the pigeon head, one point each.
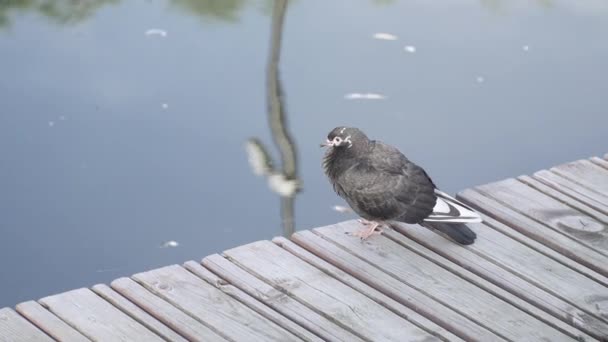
{"type": "Point", "coordinates": [345, 137]}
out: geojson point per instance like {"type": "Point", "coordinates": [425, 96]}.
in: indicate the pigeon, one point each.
{"type": "Point", "coordinates": [383, 187]}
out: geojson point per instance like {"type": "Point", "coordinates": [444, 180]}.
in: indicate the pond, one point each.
{"type": "Point", "coordinates": [125, 126]}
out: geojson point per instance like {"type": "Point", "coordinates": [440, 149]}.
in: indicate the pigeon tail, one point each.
{"type": "Point", "coordinates": [457, 232]}
{"type": "Point", "coordinates": [450, 210]}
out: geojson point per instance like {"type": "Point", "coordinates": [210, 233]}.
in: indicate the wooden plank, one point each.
{"type": "Point", "coordinates": [49, 323]}
{"type": "Point", "coordinates": [469, 300]}
{"type": "Point", "coordinates": [593, 199]}
{"type": "Point", "coordinates": [544, 250]}
{"type": "Point", "coordinates": [587, 228]}
{"type": "Point", "coordinates": [437, 312]}
{"type": "Point", "coordinates": [584, 172]}
{"type": "Point", "coordinates": [14, 328]}
{"type": "Point", "coordinates": [504, 263]}
{"type": "Point", "coordinates": [136, 313]}
{"type": "Point", "coordinates": [538, 231]}
{"type": "Point", "coordinates": [95, 318]}
{"type": "Point", "coordinates": [162, 310]}
{"type": "Point", "coordinates": [564, 198]}
{"type": "Point", "coordinates": [346, 307]}
{"type": "Point", "coordinates": [252, 288]}
{"type": "Point", "coordinates": [223, 313]}
{"type": "Point", "coordinates": [414, 315]}
{"type": "Point", "coordinates": [599, 162]}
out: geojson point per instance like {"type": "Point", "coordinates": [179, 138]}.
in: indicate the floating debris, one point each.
{"type": "Point", "coordinates": [51, 123]}
{"type": "Point", "coordinates": [342, 209]}
{"type": "Point", "coordinates": [169, 244]}
{"type": "Point", "coordinates": [365, 96]}
{"type": "Point", "coordinates": [62, 118]}
{"type": "Point", "coordinates": [525, 48]}
{"type": "Point", "coordinates": [480, 79]}
{"type": "Point", "coordinates": [410, 48]}
{"type": "Point", "coordinates": [156, 32]}
{"type": "Point", "coordinates": [384, 36]}
{"type": "Point", "coordinates": [165, 105]}
{"type": "Point", "coordinates": [259, 159]}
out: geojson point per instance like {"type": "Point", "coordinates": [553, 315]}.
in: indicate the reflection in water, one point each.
{"type": "Point", "coordinates": [60, 11]}
{"type": "Point", "coordinates": [283, 181]}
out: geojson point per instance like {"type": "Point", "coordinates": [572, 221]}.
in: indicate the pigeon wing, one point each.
{"type": "Point", "coordinates": [384, 185]}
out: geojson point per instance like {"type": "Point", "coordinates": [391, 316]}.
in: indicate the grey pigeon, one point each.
{"type": "Point", "coordinates": [382, 186]}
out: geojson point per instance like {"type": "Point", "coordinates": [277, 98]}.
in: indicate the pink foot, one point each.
{"type": "Point", "coordinates": [372, 228]}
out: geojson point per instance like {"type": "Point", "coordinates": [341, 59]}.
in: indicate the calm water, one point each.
{"type": "Point", "coordinates": [114, 141]}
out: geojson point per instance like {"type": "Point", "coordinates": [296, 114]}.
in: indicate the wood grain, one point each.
{"type": "Point", "coordinates": [165, 312]}
{"type": "Point", "coordinates": [445, 287]}
{"type": "Point", "coordinates": [211, 306]}
{"type": "Point", "coordinates": [585, 225]}
{"type": "Point", "coordinates": [537, 231]}
{"type": "Point", "coordinates": [14, 328]}
{"type": "Point", "coordinates": [95, 318]}
{"type": "Point", "coordinates": [300, 317]}
{"type": "Point", "coordinates": [578, 192]}
{"type": "Point", "coordinates": [500, 265]}
{"type": "Point", "coordinates": [136, 313]}
{"type": "Point", "coordinates": [49, 323]}
{"type": "Point", "coordinates": [585, 173]}
{"type": "Point", "coordinates": [312, 287]}
{"type": "Point", "coordinates": [414, 315]}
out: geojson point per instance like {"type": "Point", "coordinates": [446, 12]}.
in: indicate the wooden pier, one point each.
{"type": "Point", "coordinates": [537, 272]}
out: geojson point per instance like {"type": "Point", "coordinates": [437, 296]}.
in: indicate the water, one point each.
{"type": "Point", "coordinates": [123, 149]}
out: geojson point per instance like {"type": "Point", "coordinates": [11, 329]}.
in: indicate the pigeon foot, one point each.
{"type": "Point", "coordinates": [371, 228]}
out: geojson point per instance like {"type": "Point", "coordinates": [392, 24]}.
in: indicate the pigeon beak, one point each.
{"type": "Point", "coordinates": [326, 143]}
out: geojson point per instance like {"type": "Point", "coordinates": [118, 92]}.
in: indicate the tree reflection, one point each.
{"type": "Point", "coordinates": [284, 180]}
{"type": "Point", "coordinates": [63, 12]}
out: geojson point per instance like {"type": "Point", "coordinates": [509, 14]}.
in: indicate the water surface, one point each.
{"type": "Point", "coordinates": [114, 142]}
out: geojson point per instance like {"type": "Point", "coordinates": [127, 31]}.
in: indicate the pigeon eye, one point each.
{"type": "Point", "coordinates": [337, 140]}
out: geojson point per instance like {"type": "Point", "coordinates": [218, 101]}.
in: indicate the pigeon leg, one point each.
{"type": "Point", "coordinates": [372, 227]}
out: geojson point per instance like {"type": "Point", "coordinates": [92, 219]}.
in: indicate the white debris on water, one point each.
{"type": "Point", "coordinates": [364, 96]}
{"type": "Point", "coordinates": [410, 48]}
{"type": "Point", "coordinates": [165, 105]}
{"type": "Point", "coordinates": [62, 118]}
{"type": "Point", "coordinates": [480, 79]}
{"type": "Point", "coordinates": [156, 32]}
{"type": "Point", "coordinates": [51, 123]}
{"type": "Point", "coordinates": [169, 244]}
{"type": "Point", "coordinates": [342, 209]}
{"type": "Point", "coordinates": [384, 36]}
{"type": "Point", "coordinates": [526, 48]}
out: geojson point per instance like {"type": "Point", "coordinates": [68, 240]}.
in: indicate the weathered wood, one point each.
{"type": "Point", "coordinates": [345, 306]}
{"type": "Point", "coordinates": [593, 199]}
{"type": "Point", "coordinates": [544, 250]}
{"type": "Point", "coordinates": [136, 313]}
{"type": "Point", "coordinates": [95, 318]}
{"type": "Point", "coordinates": [588, 229]}
{"type": "Point", "coordinates": [445, 287]}
{"type": "Point", "coordinates": [538, 231]}
{"type": "Point", "coordinates": [49, 323]}
{"type": "Point", "coordinates": [14, 328]}
{"type": "Point", "coordinates": [584, 172]}
{"type": "Point", "coordinates": [413, 315]}
{"type": "Point", "coordinates": [162, 310]}
{"type": "Point", "coordinates": [246, 287]}
{"type": "Point", "coordinates": [580, 206]}
{"type": "Point", "coordinates": [210, 305]}
{"type": "Point", "coordinates": [503, 263]}
{"type": "Point", "coordinates": [600, 162]}
{"type": "Point", "coordinates": [437, 312]}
